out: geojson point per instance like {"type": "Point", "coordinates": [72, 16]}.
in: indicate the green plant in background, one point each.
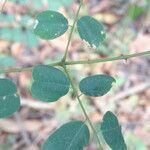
{"type": "Point", "coordinates": [51, 83]}
{"type": "Point", "coordinates": [23, 29]}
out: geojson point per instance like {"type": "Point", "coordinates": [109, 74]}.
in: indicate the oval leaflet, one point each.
{"type": "Point", "coordinates": [91, 31]}
{"type": "Point", "coordinates": [96, 85]}
{"type": "Point", "coordinates": [49, 83]}
{"type": "Point", "coordinates": [50, 24]}
{"type": "Point", "coordinates": [111, 131]}
{"type": "Point", "coordinates": [70, 136]}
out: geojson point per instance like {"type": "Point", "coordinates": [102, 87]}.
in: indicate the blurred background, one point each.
{"type": "Point", "coordinates": [127, 23]}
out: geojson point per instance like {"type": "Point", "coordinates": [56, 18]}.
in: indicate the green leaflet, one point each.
{"type": "Point", "coordinates": [111, 131]}
{"type": "Point", "coordinates": [96, 85]}
{"type": "Point", "coordinates": [71, 136]}
{"type": "Point", "coordinates": [50, 25]}
{"type": "Point", "coordinates": [9, 100]}
{"type": "Point", "coordinates": [49, 83]}
{"type": "Point", "coordinates": [91, 31]}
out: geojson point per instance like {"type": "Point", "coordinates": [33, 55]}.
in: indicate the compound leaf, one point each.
{"type": "Point", "coordinates": [96, 85]}
{"type": "Point", "coordinates": [71, 136]}
{"type": "Point", "coordinates": [50, 24]}
{"type": "Point", "coordinates": [91, 31]}
{"type": "Point", "coordinates": [49, 83]}
{"type": "Point", "coordinates": [9, 100]}
{"type": "Point", "coordinates": [111, 131]}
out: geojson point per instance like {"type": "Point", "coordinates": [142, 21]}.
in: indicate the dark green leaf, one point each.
{"type": "Point", "coordinates": [96, 85]}
{"type": "Point", "coordinates": [91, 31]}
{"type": "Point", "coordinates": [71, 136]}
{"type": "Point", "coordinates": [9, 100]}
{"type": "Point", "coordinates": [111, 131]}
{"type": "Point", "coordinates": [49, 83]}
{"type": "Point", "coordinates": [50, 25]}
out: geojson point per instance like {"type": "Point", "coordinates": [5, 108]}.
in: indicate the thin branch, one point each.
{"type": "Point", "coordinates": [125, 57]}
{"type": "Point", "coordinates": [82, 107]}
{"type": "Point", "coordinates": [78, 62]}
{"type": "Point", "coordinates": [23, 69]}
{"type": "Point", "coordinates": [15, 70]}
{"type": "Point", "coordinates": [71, 32]}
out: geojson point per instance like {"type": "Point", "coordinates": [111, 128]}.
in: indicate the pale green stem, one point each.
{"type": "Point", "coordinates": [82, 107]}
{"type": "Point", "coordinates": [23, 69]}
{"type": "Point", "coordinates": [71, 32]}
{"type": "Point", "coordinates": [123, 57]}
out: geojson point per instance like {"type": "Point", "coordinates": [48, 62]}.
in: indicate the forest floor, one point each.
{"type": "Point", "coordinates": [128, 31]}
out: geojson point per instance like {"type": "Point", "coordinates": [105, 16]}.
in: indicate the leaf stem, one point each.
{"type": "Point", "coordinates": [78, 62]}
{"type": "Point", "coordinates": [82, 107]}
{"type": "Point", "coordinates": [23, 69]}
{"type": "Point", "coordinates": [71, 32]}
{"type": "Point", "coordinates": [125, 57]}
